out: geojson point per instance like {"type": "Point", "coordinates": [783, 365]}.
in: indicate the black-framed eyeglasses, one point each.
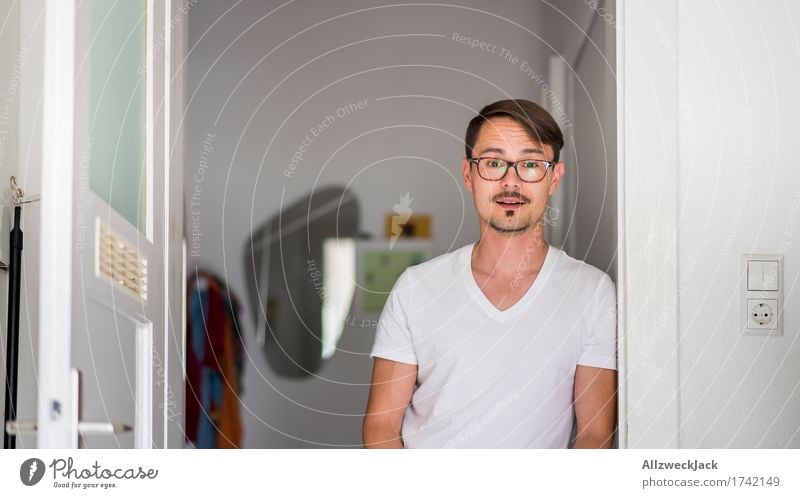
{"type": "Point", "coordinates": [528, 170]}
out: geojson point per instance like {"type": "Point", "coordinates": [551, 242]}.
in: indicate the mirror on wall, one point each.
{"type": "Point", "coordinates": [301, 279]}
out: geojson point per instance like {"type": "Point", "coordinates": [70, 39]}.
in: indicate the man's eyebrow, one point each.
{"type": "Point", "coordinates": [534, 150]}
{"type": "Point", "coordinates": [527, 150]}
{"type": "Point", "coordinates": [492, 149]}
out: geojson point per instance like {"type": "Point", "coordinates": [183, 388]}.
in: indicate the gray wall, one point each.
{"type": "Point", "coordinates": [258, 81]}
{"type": "Point", "coordinates": [583, 38]}
{"type": "Point", "coordinates": [595, 144]}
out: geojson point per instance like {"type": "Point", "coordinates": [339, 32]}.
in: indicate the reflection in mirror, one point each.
{"type": "Point", "coordinates": [338, 288]}
{"type": "Point", "coordinates": [300, 268]}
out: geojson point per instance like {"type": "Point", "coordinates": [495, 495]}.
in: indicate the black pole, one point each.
{"type": "Point", "coordinates": [12, 339]}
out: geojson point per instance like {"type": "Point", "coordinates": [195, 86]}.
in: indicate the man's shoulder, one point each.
{"type": "Point", "coordinates": [581, 270]}
{"type": "Point", "coordinates": [444, 265]}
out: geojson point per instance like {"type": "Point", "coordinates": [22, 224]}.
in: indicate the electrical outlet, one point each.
{"type": "Point", "coordinates": [762, 314]}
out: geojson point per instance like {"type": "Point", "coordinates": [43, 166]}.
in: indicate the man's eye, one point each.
{"type": "Point", "coordinates": [495, 163]}
{"type": "Point", "coordinates": [530, 164]}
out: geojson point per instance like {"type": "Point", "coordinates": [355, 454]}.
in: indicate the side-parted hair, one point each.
{"type": "Point", "coordinates": [539, 124]}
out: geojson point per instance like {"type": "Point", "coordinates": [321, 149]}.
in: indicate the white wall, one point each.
{"type": "Point", "coordinates": [709, 173]}
{"type": "Point", "coordinates": [739, 192]}
{"type": "Point", "coordinates": [243, 101]}
{"type": "Point", "coordinates": [23, 50]}
{"type": "Point", "coordinates": [9, 41]}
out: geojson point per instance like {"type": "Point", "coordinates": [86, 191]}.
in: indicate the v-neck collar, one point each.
{"type": "Point", "coordinates": [522, 303]}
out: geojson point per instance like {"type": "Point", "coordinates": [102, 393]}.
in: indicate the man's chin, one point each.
{"type": "Point", "coordinates": [509, 228]}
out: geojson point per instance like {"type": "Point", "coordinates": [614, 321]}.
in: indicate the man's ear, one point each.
{"type": "Point", "coordinates": [555, 179]}
{"type": "Point", "coordinates": [465, 173]}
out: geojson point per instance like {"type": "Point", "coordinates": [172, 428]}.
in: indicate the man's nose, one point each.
{"type": "Point", "coordinates": [511, 179]}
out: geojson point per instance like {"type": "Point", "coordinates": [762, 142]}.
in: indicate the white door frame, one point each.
{"type": "Point", "coordinates": [174, 366]}
{"type": "Point", "coordinates": [55, 309]}
{"type": "Point", "coordinates": [647, 138]}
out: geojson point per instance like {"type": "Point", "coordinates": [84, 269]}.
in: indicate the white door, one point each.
{"type": "Point", "coordinates": [103, 347]}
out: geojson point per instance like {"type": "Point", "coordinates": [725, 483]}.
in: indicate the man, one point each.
{"type": "Point", "coordinates": [497, 343]}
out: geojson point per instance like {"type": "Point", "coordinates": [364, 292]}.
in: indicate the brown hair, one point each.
{"type": "Point", "coordinates": [539, 124]}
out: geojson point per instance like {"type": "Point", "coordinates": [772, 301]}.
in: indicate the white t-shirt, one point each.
{"type": "Point", "coordinates": [489, 378]}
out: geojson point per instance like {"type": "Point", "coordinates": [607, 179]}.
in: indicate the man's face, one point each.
{"type": "Point", "coordinates": [504, 138]}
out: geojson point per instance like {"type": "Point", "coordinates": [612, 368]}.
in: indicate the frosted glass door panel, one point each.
{"type": "Point", "coordinates": [118, 84]}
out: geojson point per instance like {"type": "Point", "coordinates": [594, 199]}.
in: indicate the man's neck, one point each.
{"type": "Point", "coordinates": [505, 255]}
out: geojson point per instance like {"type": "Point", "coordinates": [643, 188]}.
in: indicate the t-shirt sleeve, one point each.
{"type": "Point", "coordinates": [600, 347]}
{"type": "Point", "coordinates": [393, 337]}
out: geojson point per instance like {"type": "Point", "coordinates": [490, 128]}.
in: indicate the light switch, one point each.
{"type": "Point", "coordinates": [755, 275]}
{"type": "Point", "coordinates": [770, 280]}
{"type": "Point", "coordinates": [761, 309]}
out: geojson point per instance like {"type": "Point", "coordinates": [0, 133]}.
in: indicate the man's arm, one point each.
{"type": "Point", "coordinates": [392, 387]}
{"type": "Point", "coordinates": [595, 406]}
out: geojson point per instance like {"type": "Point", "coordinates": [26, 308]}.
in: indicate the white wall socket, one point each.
{"type": "Point", "coordinates": [763, 314]}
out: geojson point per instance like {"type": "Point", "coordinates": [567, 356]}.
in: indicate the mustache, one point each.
{"type": "Point", "coordinates": [513, 195]}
